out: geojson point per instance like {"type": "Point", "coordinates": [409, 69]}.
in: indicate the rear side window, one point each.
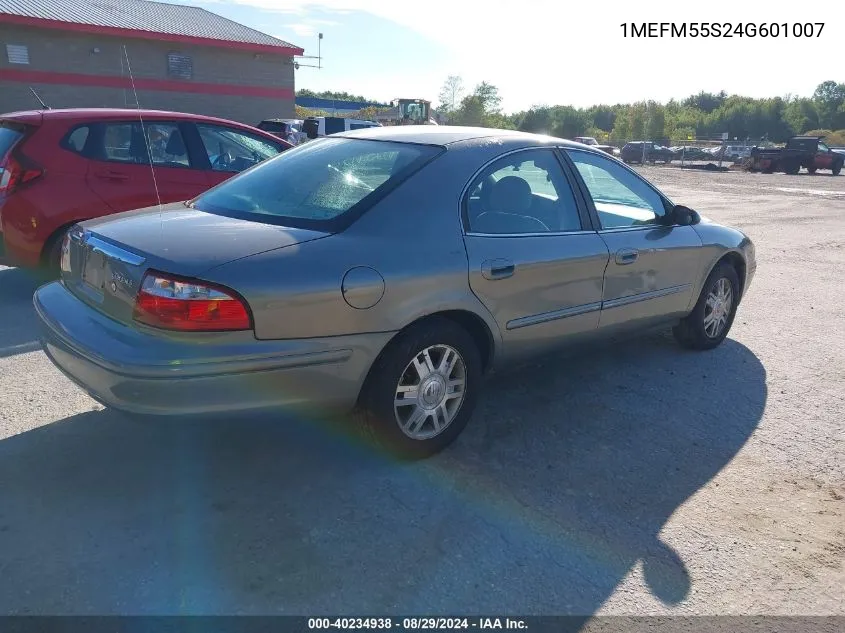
{"type": "Point", "coordinates": [76, 140]}
{"type": "Point", "coordinates": [316, 184]}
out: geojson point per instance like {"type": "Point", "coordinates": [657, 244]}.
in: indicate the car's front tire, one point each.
{"type": "Point", "coordinates": [422, 390]}
{"type": "Point", "coordinates": [712, 317]}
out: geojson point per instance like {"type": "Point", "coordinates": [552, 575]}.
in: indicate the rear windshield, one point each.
{"type": "Point", "coordinates": [9, 135]}
{"type": "Point", "coordinates": [323, 184]}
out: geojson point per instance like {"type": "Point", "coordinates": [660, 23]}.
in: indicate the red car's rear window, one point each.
{"type": "Point", "coordinates": [10, 134]}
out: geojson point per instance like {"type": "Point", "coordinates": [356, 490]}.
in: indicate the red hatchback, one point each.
{"type": "Point", "coordinates": [59, 167]}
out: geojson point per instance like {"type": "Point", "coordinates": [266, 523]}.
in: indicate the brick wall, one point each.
{"type": "Point", "coordinates": [58, 52]}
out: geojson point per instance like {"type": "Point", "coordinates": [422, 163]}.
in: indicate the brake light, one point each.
{"type": "Point", "coordinates": [174, 304]}
{"type": "Point", "coordinates": [16, 171]}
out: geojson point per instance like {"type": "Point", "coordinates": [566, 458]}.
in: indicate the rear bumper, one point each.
{"type": "Point", "coordinates": [141, 371]}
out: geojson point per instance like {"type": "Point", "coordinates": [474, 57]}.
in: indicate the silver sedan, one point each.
{"type": "Point", "coordinates": [383, 271]}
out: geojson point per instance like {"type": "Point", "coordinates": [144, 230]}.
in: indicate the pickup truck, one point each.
{"type": "Point", "coordinates": [800, 151]}
{"type": "Point", "coordinates": [589, 140]}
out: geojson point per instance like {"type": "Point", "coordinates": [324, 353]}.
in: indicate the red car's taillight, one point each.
{"type": "Point", "coordinates": [16, 171]}
{"type": "Point", "coordinates": [174, 304]}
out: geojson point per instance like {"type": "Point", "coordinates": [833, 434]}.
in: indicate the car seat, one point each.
{"type": "Point", "coordinates": [510, 209]}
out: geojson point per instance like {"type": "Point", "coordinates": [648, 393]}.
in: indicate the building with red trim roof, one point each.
{"type": "Point", "coordinates": [79, 53]}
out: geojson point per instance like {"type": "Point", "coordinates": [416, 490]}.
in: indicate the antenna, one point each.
{"type": "Point", "coordinates": [318, 57]}
{"type": "Point", "coordinates": [146, 138]}
{"type": "Point", "coordinates": [35, 94]}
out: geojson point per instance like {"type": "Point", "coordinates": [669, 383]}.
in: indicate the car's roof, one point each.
{"type": "Point", "coordinates": [116, 113]}
{"type": "Point", "coordinates": [447, 134]}
{"type": "Point", "coordinates": [108, 114]}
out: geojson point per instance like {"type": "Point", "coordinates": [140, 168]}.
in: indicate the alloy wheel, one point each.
{"type": "Point", "coordinates": [430, 392]}
{"type": "Point", "coordinates": [717, 309]}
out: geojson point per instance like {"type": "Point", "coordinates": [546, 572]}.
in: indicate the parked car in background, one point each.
{"type": "Point", "coordinates": [58, 167]}
{"type": "Point", "coordinates": [289, 130]}
{"type": "Point", "coordinates": [646, 151]}
{"type": "Point", "coordinates": [351, 286]}
{"type": "Point", "coordinates": [688, 153]}
{"type": "Point", "coordinates": [734, 153]}
{"type": "Point", "coordinates": [808, 152]}
{"type": "Point", "coordinates": [589, 140]}
{"type": "Point", "coordinates": [737, 153]}
{"type": "Point", "coordinates": [327, 125]}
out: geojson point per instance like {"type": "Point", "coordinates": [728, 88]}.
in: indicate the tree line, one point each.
{"type": "Point", "coordinates": [704, 115]}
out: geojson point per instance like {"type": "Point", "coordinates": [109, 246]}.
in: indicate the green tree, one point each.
{"type": "Point", "coordinates": [602, 117]}
{"type": "Point", "coordinates": [471, 111]}
{"type": "Point", "coordinates": [655, 121]}
{"type": "Point", "coordinates": [830, 99]}
{"type": "Point", "coordinates": [569, 122]}
{"type": "Point", "coordinates": [328, 94]}
{"type": "Point", "coordinates": [451, 94]}
{"type": "Point", "coordinates": [801, 115]}
{"type": "Point", "coordinates": [489, 96]}
{"type": "Point", "coordinates": [539, 120]}
{"type": "Point", "coordinates": [637, 121]}
{"type": "Point", "coordinates": [706, 101]}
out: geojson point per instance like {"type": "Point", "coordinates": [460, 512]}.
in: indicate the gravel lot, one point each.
{"type": "Point", "coordinates": [640, 479]}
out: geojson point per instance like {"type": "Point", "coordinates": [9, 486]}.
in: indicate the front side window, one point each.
{"type": "Point", "coordinates": [526, 192]}
{"type": "Point", "coordinates": [622, 199]}
{"type": "Point", "coordinates": [234, 151]}
{"type": "Point", "coordinates": [316, 183]}
{"type": "Point", "coordinates": [823, 147]}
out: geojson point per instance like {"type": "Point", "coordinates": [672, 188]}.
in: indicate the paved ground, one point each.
{"type": "Point", "coordinates": [639, 479]}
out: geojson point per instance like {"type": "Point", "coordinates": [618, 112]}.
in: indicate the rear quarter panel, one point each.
{"type": "Point", "coordinates": [412, 239]}
{"type": "Point", "coordinates": [60, 197]}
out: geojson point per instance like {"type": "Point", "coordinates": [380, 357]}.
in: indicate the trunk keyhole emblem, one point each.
{"type": "Point", "coordinates": [113, 287]}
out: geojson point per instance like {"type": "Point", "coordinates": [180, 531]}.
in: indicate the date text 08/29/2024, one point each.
{"type": "Point", "coordinates": [417, 623]}
{"type": "Point", "coordinates": [721, 29]}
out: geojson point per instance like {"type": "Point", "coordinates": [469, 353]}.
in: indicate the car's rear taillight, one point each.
{"type": "Point", "coordinates": [17, 170]}
{"type": "Point", "coordinates": [175, 304]}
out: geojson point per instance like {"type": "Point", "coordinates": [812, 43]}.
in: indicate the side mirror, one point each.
{"type": "Point", "coordinates": [683, 216]}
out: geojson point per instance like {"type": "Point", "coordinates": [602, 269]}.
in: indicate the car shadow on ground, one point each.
{"type": "Point", "coordinates": [17, 325]}
{"type": "Point", "coordinates": [557, 489]}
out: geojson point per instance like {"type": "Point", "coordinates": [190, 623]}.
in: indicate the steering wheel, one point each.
{"type": "Point", "coordinates": [223, 160]}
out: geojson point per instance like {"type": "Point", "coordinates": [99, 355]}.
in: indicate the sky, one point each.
{"type": "Point", "coordinates": [542, 52]}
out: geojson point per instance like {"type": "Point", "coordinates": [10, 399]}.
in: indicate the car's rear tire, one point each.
{"type": "Point", "coordinates": [438, 362]}
{"type": "Point", "coordinates": [51, 258]}
{"type": "Point", "coordinates": [712, 317]}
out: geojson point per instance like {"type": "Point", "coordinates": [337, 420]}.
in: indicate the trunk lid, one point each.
{"type": "Point", "coordinates": [106, 259]}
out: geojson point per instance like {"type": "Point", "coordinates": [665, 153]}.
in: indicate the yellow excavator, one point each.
{"type": "Point", "coordinates": [408, 112]}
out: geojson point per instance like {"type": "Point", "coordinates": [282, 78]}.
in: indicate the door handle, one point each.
{"type": "Point", "coordinates": [497, 269]}
{"type": "Point", "coordinates": [112, 175]}
{"type": "Point", "coordinates": [626, 256]}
